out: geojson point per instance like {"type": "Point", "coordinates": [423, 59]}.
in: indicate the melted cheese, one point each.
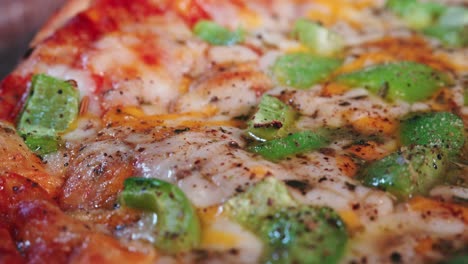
{"type": "Point", "coordinates": [136, 118]}
{"type": "Point", "coordinates": [330, 12]}
{"type": "Point", "coordinates": [222, 234]}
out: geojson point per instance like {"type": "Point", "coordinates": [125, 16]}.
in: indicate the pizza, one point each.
{"type": "Point", "coordinates": [235, 131]}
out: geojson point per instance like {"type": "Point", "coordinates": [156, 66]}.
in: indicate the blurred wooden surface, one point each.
{"type": "Point", "coordinates": [19, 21]}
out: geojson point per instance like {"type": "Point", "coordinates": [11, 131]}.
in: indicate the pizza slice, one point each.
{"type": "Point", "coordinates": [198, 131]}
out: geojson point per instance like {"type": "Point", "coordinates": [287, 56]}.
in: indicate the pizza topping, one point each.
{"type": "Point", "coordinates": [273, 119]}
{"type": "Point", "coordinates": [411, 171]}
{"type": "Point", "coordinates": [443, 129]}
{"type": "Point", "coordinates": [217, 35]}
{"type": "Point", "coordinates": [451, 28]}
{"type": "Point", "coordinates": [304, 235]}
{"type": "Point", "coordinates": [291, 233]}
{"type": "Point", "coordinates": [267, 195]}
{"type": "Point", "coordinates": [416, 14]}
{"type": "Point", "coordinates": [449, 24]}
{"type": "Point", "coordinates": [302, 70]}
{"type": "Point", "coordinates": [177, 227]}
{"type": "Point", "coordinates": [41, 123]}
{"type": "Point", "coordinates": [291, 144]}
{"type": "Point", "coordinates": [457, 260]}
{"type": "Point", "coordinates": [408, 81]}
{"type": "Point", "coordinates": [430, 141]}
{"type": "Point", "coordinates": [317, 38]}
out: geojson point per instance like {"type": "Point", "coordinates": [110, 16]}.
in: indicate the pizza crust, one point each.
{"type": "Point", "coordinates": [61, 16]}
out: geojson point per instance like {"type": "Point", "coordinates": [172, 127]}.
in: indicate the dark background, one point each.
{"type": "Point", "coordinates": [19, 20]}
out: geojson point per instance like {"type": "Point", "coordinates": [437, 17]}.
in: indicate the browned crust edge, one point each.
{"type": "Point", "coordinates": [61, 16]}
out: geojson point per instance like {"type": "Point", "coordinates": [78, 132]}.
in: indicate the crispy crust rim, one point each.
{"type": "Point", "coordinates": [61, 16]}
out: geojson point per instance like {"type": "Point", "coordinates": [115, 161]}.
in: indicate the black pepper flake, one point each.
{"type": "Point", "coordinates": [302, 186]}
{"type": "Point", "coordinates": [395, 257]}
{"type": "Point", "coordinates": [360, 97]}
{"type": "Point", "coordinates": [239, 189]}
{"type": "Point", "coordinates": [8, 130]}
{"type": "Point", "coordinates": [350, 186]}
{"type": "Point", "coordinates": [269, 201]}
{"type": "Point", "coordinates": [233, 144]}
{"type": "Point", "coordinates": [181, 130]}
{"type": "Point", "coordinates": [383, 91]}
{"type": "Point", "coordinates": [141, 149]}
{"type": "Point", "coordinates": [322, 179]}
{"type": "Point", "coordinates": [273, 124]}
{"type": "Point", "coordinates": [241, 117]}
{"type": "Point", "coordinates": [327, 151]}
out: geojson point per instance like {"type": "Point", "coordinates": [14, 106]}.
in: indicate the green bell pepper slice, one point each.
{"type": "Point", "coordinates": [215, 34]}
{"type": "Point", "coordinates": [302, 70]}
{"type": "Point", "coordinates": [412, 171]}
{"type": "Point", "coordinates": [292, 144]}
{"type": "Point", "coordinates": [450, 36]}
{"type": "Point", "coordinates": [267, 195]}
{"type": "Point", "coordinates": [406, 80]}
{"type": "Point", "coordinates": [41, 140]}
{"type": "Point", "coordinates": [451, 27]}
{"type": "Point", "coordinates": [440, 129]}
{"type": "Point", "coordinates": [317, 38]}
{"type": "Point", "coordinates": [462, 259]}
{"type": "Point", "coordinates": [456, 36]}
{"type": "Point", "coordinates": [415, 14]}
{"type": "Point", "coordinates": [273, 119]}
{"type": "Point", "coordinates": [290, 233]}
{"type": "Point", "coordinates": [51, 108]}
{"type": "Point", "coordinates": [178, 227]}
{"type": "Point", "coordinates": [290, 238]}
{"type": "Point", "coordinates": [449, 24]}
